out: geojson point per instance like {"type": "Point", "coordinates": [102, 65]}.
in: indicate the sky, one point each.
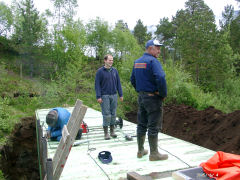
{"type": "Point", "coordinates": [149, 11]}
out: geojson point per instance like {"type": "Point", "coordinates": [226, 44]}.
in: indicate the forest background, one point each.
{"type": "Point", "coordinates": [50, 59]}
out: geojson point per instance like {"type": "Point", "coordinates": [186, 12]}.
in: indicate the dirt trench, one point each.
{"type": "Point", "coordinates": [19, 157]}
{"type": "Point", "coordinates": [209, 128]}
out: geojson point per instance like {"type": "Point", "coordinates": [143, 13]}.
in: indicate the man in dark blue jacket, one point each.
{"type": "Point", "coordinates": [148, 78]}
{"type": "Point", "coordinates": [107, 85]}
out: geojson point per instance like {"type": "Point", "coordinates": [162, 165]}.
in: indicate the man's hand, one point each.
{"type": "Point", "coordinates": [121, 99]}
{"type": "Point", "coordinates": [48, 135]}
{"type": "Point", "coordinates": [99, 100]}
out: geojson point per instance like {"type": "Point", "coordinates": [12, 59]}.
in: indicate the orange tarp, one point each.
{"type": "Point", "coordinates": [223, 166]}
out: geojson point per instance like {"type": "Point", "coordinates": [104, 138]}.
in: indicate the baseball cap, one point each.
{"type": "Point", "coordinates": [153, 42]}
{"type": "Point", "coordinates": [105, 157]}
{"type": "Point", "coordinates": [51, 118]}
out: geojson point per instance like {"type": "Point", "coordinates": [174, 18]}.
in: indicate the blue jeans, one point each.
{"type": "Point", "coordinates": [109, 109]}
{"type": "Point", "coordinates": [149, 114]}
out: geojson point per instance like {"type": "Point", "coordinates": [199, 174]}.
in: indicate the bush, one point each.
{"type": "Point", "coordinates": [4, 117]}
{"type": "Point", "coordinates": [183, 90]}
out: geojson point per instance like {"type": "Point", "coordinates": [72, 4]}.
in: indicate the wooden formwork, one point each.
{"type": "Point", "coordinates": [51, 169]}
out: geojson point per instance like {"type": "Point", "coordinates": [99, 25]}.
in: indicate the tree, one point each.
{"type": "Point", "coordinates": [194, 34]}
{"type": "Point", "coordinates": [121, 40]}
{"type": "Point", "coordinates": [227, 17]}
{"type": "Point", "coordinates": [235, 34]}
{"type": "Point", "coordinates": [98, 37]}
{"type": "Point", "coordinates": [140, 33]}
{"type": "Point", "coordinates": [121, 25]}
{"type": "Point", "coordinates": [65, 10]}
{"type": "Point", "coordinates": [68, 45]}
{"type": "Point", "coordinates": [166, 33]}
{"type": "Point", "coordinates": [123, 43]}
{"type": "Point", "coordinates": [28, 32]}
{"type": "Point", "coordinates": [62, 39]}
{"type": "Point", "coordinates": [204, 52]}
{"type": "Point", "coordinates": [6, 19]}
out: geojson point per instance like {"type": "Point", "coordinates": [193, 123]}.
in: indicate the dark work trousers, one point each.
{"type": "Point", "coordinates": [149, 114]}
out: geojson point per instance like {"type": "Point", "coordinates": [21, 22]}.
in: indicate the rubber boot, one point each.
{"type": "Point", "coordinates": [106, 135]}
{"type": "Point", "coordinates": [141, 151]}
{"type": "Point", "coordinates": [112, 133]}
{"type": "Point", "coordinates": [154, 154]}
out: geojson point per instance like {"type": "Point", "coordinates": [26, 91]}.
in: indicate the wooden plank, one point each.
{"type": "Point", "coordinates": [135, 176]}
{"type": "Point", "coordinates": [190, 173]}
{"type": "Point", "coordinates": [78, 122]}
{"type": "Point", "coordinates": [74, 114]}
{"type": "Point", "coordinates": [49, 174]}
{"type": "Point", "coordinates": [49, 169]}
{"type": "Point", "coordinates": [63, 158]}
{"type": "Point", "coordinates": [44, 153]}
{"type": "Point", "coordinates": [67, 143]}
{"type": "Point", "coordinates": [40, 131]}
{"type": "Point", "coordinates": [176, 176]}
{"type": "Point", "coordinates": [65, 133]}
{"type": "Point", "coordinates": [61, 145]}
{"type": "Point", "coordinates": [40, 148]}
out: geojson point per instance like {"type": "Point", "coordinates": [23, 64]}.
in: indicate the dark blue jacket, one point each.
{"type": "Point", "coordinates": [148, 75]}
{"type": "Point", "coordinates": [63, 117]}
{"type": "Point", "coordinates": [107, 82]}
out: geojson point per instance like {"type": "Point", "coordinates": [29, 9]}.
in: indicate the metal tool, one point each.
{"type": "Point", "coordinates": [80, 142]}
{"type": "Point", "coordinates": [119, 122]}
{"type": "Point", "coordinates": [128, 137]}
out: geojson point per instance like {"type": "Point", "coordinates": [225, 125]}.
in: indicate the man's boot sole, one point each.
{"type": "Point", "coordinates": [141, 154]}
{"type": "Point", "coordinates": [158, 158]}
{"type": "Point", "coordinates": [114, 136]}
{"type": "Point", "coordinates": [107, 137]}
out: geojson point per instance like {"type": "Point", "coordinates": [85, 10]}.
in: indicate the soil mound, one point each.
{"type": "Point", "coordinates": [209, 128]}
{"type": "Point", "coordinates": [19, 158]}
